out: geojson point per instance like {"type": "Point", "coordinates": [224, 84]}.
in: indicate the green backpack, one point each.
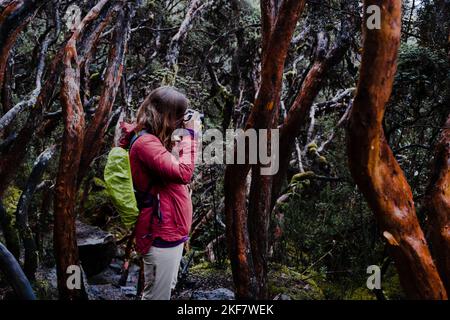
{"type": "Point", "coordinates": [119, 184]}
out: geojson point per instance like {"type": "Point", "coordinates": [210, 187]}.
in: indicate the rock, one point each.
{"type": "Point", "coordinates": [184, 295]}
{"type": "Point", "coordinates": [282, 296]}
{"type": "Point", "coordinates": [94, 293]}
{"type": "Point", "coordinates": [96, 248]}
{"type": "Point", "coordinates": [217, 294]}
{"type": "Point", "coordinates": [128, 291]}
{"type": "Point", "coordinates": [116, 267]}
{"type": "Point", "coordinates": [108, 275]}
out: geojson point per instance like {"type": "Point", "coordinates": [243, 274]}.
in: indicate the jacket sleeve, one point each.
{"type": "Point", "coordinates": [168, 166]}
{"type": "Point", "coordinates": [127, 131]}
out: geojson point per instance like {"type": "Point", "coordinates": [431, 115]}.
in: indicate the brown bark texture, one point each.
{"type": "Point", "coordinates": [65, 244]}
{"type": "Point", "coordinates": [247, 247]}
{"type": "Point", "coordinates": [438, 205]}
{"type": "Point", "coordinates": [94, 136]}
{"type": "Point", "coordinates": [10, 162]}
{"type": "Point", "coordinates": [373, 165]}
{"type": "Point", "coordinates": [438, 202]}
{"type": "Point", "coordinates": [13, 18]}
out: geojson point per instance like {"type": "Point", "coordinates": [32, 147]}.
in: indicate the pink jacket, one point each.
{"type": "Point", "coordinates": [152, 165]}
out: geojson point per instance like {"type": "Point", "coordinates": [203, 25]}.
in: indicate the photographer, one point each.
{"type": "Point", "coordinates": [161, 170]}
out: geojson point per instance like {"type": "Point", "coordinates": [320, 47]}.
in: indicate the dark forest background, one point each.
{"type": "Point", "coordinates": [322, 235]}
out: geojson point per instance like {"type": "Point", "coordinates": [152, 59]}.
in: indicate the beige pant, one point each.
{"type": "Point", "coordinates": [161, 272]}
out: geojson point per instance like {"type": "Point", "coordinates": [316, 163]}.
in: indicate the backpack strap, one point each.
{"type": "Point", "coordinates": [146, 199]}
{"type": "Point", "coordinates": [135, 137]}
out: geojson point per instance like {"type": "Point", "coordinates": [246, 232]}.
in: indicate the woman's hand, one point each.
{"type": "Point", "coordinates": [195, 122]}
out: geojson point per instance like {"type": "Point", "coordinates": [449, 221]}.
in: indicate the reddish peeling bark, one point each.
{"type": "Point", "coordinates": [373, 165]}
{"type": "Point", "coordinates": [438, 202]}
{"type": "Point", "coordinates": [94, 137]}
{"type": "Point", "coordinates": [88, 45]}
{"type": "Point", "coordinates": [13, 18]}
{"type": "Point", "coordinates": [247, 247]}
{"type": "Point", "coordinates": [30, 100]}
{"type": "Point", "coordinates": [6, 94]}
{"type": "Point", "coordinates": [269, 9]}
{"type": "Point", "coordinates": [10, 162]}
{"type": "Point", "coordinates": [325, 60]}
{"type": "Point", "coordinates": [66, 251]}
{"type": "Point", "coordinates": [438, 205]}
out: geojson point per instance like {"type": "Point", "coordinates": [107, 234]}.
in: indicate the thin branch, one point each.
{"type": "Point", "coordinates": [343, 120]}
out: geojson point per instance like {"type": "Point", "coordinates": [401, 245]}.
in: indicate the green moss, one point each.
{"type": "Point", "coordinates": [11, 198]}
{"type": "Point", "coordinates": [297, 286]}
{"type": "Point", "coordinates": [10, 201]}
{"type": "Point", "coordinates": [44, 290]}
{"type": "Point", "coordinates": [97, 199]}
{"type": "Point", "coordinates": [170, 76]}
{"type": "Point", "coordinates": [355, 289]}
{"type": "Point", "coordinates": [312, 148]}
{"type": "Point", "coordinates": [391, 286]}
{"type": "Point", "coordinates": [361, 293]}
{"type": "Point", "coordinates": [322, 160]}
{"type": "Point", "coordinates": [302, 176]}
{"type": "Point", "coordinates": [290, 75]}
{"type": "Point", "coordinates": [207, 269]}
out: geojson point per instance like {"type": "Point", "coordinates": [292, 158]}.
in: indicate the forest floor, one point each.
{"type": "Point", "coordinates": [203, 282]}
{"type": "Point", "coordinates": [200, 284]}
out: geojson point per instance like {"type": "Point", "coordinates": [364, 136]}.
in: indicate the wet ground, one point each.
{"type": "Point", "coordinates": [197, 285]}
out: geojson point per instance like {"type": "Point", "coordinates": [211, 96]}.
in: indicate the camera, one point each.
{"type": "Point", "coordinates": [191, 113]}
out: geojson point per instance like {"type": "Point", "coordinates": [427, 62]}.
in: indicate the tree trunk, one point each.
{"type": "Point", "coordinates": [438, 201]}
{"type": "Point", "coordinates": [438, 205]}
{"type": "Point", "coordinates": [10, 162]}
{"type": "Point", "coordinates": [247, 247]}
{"type": "Point", "coordinates": [94, 137]}
{"type": "Point", "coordinates": [15, 276]}
{"type": "Point", "coordinates": [31, 98]}
{"type": "Point", "coordinates": [65, 243]}
{"type": "Point", "coordinates": [6, 94]}
{"type": "Point", "coordinates": [373, 165]}
{"type": "Point", "coordinates": [13, 18]}
{"type": "Point", "coordinates": [31, 250]}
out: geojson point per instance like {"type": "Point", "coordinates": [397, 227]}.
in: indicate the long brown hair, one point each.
{"type": "Point", "coordinates": [161, 113]}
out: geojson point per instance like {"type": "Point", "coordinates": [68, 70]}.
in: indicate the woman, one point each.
{"type": "Point", "coordinates": [161, 170]}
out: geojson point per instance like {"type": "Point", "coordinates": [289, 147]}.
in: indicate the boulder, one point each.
{"type": "Point", "coordinates": [96, 248]}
